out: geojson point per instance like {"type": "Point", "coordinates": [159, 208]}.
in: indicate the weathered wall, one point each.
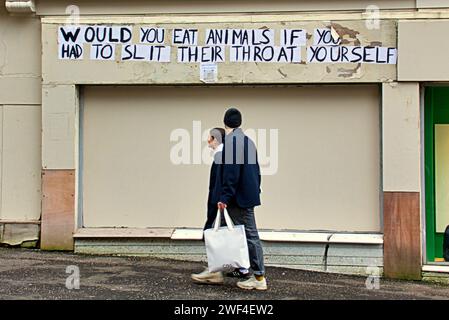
{"type": "Point", "coordinates": [21, 163]}
{"type": "Point", "coordinates": [417, 39]}
{"type": "Point", "coordinates": [59, 160]}
{"type": "Point", "coordinates": [20, 127]}
{"type": "Point", "coordinates": [402, 179]}
{"type": "Point", "coordinates": [432, 3]}
{"type": "Point", "coordinates": [137, 7]}
{"type": "Point", "coordinates": [401, 147]}
{"type": "Point", "coordinates": [59, 126]}
{"type": "Point", "coordinates": [353, 33]}
{"type": "Point", "coordinates": [20, 59]}
{"type": "Point", "coordinates": [423, 47]}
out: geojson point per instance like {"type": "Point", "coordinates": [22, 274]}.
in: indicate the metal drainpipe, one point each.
{"type": "Point", "coordinates": [20, 7]}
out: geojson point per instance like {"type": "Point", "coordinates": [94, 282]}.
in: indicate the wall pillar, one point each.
{"type": "Point", "coordinates": [59, 145]}
{"type": "Point", "coordinates": [401, 180]}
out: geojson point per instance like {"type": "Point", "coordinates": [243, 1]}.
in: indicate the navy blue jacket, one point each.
{"type": "Point", "coordinates": [238, 182]}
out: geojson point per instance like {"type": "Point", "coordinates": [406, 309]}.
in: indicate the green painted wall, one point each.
{"type": "Point", "coordinates": [436, 111]}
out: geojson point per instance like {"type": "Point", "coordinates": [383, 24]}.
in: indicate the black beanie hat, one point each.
{"type": "Point", "coordinates": [233, 118]}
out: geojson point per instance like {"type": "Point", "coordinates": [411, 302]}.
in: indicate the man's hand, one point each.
{"type": "Point", "coordinates": [221, 205]}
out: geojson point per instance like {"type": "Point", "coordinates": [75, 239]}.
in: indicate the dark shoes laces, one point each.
{"type": "Point", "coordinates": [236, 273]}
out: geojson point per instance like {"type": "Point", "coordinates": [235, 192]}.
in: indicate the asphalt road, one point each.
{"type": "Point", "coordinates": [34, 274]}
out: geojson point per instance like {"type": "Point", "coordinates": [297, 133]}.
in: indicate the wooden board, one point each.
{"type": "Point", "coordinates": [402, 237]}
{"type": "Point", "coordinates": [58, 209]}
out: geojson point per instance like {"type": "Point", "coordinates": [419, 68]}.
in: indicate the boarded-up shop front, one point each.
{"type": "Point", "coordinates": [134, 177]}
{"type": "Point", "coordinates": [140, 98]}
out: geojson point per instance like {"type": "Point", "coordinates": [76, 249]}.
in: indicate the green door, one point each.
{"type": "Point", "coordinates": [436, 169]}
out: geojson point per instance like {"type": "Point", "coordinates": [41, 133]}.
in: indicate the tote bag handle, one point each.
{"type": "Point", "coordinates": [228, 220]}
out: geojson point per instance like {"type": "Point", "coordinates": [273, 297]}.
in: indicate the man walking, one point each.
{"type": "Point", "coordinates": [239, 193]}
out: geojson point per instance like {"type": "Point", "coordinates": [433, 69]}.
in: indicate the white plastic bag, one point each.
{"type": "Point", "coordinates": [226, 247]}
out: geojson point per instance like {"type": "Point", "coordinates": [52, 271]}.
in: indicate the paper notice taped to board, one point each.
{"type": "Point", "coordinates": [208, 72]}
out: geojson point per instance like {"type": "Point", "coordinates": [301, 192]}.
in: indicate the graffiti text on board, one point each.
{"type": "Point", "coordinates": [153, 44]}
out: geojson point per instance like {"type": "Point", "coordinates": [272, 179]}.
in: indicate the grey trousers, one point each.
{"type": "Point", "coordinates": [245, 216]}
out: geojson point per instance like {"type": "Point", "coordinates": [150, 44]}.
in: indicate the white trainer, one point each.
{"type": "Point", "coordinates": [253, 283]}
{"type": "Point", "coordinates": [208, 277]}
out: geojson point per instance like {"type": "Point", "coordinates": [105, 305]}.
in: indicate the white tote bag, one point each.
{"type": "Point", "coordinates": [226, 247]}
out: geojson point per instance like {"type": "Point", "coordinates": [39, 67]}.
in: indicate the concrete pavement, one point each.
{"type": "Point", "coordinates": [35, 274]}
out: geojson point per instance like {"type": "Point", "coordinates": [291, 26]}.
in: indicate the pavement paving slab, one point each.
{"type": "Point", "coordinates": [32, 274]}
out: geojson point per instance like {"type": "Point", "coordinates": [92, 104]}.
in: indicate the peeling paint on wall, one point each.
{"type": "Point", "coordinates": [351, 72]}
